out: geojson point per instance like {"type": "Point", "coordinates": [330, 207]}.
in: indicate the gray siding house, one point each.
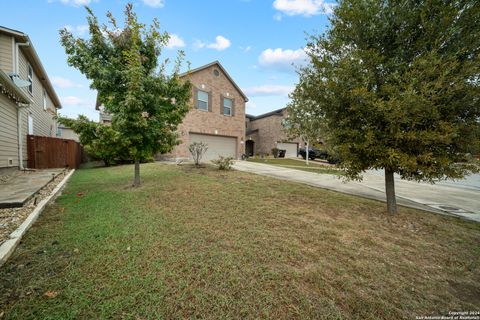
{"type": "Point", "coordinates": [28, 102]}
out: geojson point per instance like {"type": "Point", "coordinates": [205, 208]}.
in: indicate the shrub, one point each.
{"type": "Point", "coordinates": [224, 163]}
{"type": "Point", "coordinates": [99, 141]}
{"type": "Point", "coordinates": [197, 149]}
{"type": "Point", "coordinates": [275, 152]}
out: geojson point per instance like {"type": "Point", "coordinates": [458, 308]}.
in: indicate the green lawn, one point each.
{"type": "Point", "coordinates": [201, 243]}
{"type": "Point", "coordinates": [299, 165]}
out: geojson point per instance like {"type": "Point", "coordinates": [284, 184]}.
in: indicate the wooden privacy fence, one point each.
{"type": "Point", "coordinates": [48, 152]}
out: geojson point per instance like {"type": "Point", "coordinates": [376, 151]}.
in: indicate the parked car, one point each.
{"type": "Point", "coordinates": [314, 153]}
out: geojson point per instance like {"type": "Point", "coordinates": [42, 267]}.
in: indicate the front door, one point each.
{"type": "Point", "coordinates": [250, 148]}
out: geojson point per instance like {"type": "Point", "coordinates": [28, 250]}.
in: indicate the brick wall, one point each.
{"type": "Point", "coordinates": [270, 131]}
{"type": "Point", "coordinates": [213, 122]}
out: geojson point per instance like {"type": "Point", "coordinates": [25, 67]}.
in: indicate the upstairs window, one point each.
{"type": "Point", "coordinates": [30, 78]}
{"type": "Point", "coordinates": [202, 100]}
{"type": "Point", "coordinates": [227, 106]}
{"type": "Point", "coordinates": [44, 100]}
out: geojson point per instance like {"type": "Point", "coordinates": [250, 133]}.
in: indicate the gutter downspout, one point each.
{"type": "Point", "coordinates": [20, 142]}
{"type": "Point", "coordinates": [19, 108]}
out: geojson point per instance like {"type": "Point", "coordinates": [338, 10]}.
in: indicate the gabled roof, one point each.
{"type": "Point", "coordinates": [34, 60]}
{"type": "Point", "coordinates": [219, 65]}
{"type": "Point", "coordinates": [278, 112]}
{"type": "Point", "coordinates": [216, 62]}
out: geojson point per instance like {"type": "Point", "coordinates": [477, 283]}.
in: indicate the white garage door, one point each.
{"type": "Point", "coordinates": [217, 146]}
{"type": "Point", "coordinates": [290, 147]}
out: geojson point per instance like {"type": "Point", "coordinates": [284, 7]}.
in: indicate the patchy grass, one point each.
{"type": "Point", "coordinates": [298, 164]}
{"type": "Point", "coordinates": [204, 243]}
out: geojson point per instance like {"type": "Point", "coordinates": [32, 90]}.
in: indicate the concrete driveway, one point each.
{"type": "Point", "coordinates": [444, 199]}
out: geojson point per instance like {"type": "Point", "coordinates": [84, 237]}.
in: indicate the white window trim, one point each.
{"type": "Point", "coordinates": [44, 100]}
{"type": "Point", "coordinates": [30, 78]}
{"type": "Point", "coordinates": [30, 123]}
{"type": "Point", "coordinates": [198, 99]}
{"type": "Point", "coordinates": [224, 106]}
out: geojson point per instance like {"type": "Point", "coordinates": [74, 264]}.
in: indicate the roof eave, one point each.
{"type": "Point", "coordinates": [276, 113]}
{"type": "Point", "coordinates": [216, 62]}
{"type": "Point", "coordinates": [19, 95]}
{"type": "Point", "coordinates": [36, 63]}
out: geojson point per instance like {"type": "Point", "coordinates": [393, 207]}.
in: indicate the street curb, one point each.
{"type": "Point", "coordinates": [8, 247]}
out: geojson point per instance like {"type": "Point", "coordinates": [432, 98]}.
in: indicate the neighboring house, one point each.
{"type": "Point", "coordinates": [28, 102]}
{"type": "Point", "coordinates": [266, 131]}
{"type": "Point", "coordinates": [217, 115]}
{"type": "Point", "coordinates": [67, 133]}
{"type": "Point", "coordinates": [104, 117]}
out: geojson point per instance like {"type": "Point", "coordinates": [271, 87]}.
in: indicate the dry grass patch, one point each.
{"type": "Point", "coordinates": [203, 243]}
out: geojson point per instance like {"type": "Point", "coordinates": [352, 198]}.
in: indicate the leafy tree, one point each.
{"type": "Point", "coordinates": [304, 119]}
{"type": "Point", "coordinates": [197, 150]}
{"type": "Point", "coordinates": [397, 83]}
{"type": "Point", "coordinates": [146, 104]}
{"type": "Point", "coordinates": [100, 141]}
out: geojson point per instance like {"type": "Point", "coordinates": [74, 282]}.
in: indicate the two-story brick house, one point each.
{"type": "Point", "coordinates": [266, 131]}
{"type": "Point", "coordinates": [28, 102]}
{"type": "Point", "coordinates": [216, 117]}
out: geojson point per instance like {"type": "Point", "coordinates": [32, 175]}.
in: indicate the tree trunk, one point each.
{"type": "Point", "coordinates": [390, 191]}
{"type": "Point", "coordinates": [136, 179]}
{"type": "Point", "coordinates": [306, 154]}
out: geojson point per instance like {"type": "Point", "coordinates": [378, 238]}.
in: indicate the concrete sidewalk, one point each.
{"type": "Point", "coordinates": [449, 200]}
{"type": "Point", "coordinates": [23, 185]}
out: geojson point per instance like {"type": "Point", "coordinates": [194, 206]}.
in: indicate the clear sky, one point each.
{"type": "Point", "coordinates": [255, 40]}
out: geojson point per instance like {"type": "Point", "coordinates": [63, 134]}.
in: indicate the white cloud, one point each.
{"type": "Point", "coordinates": [198, 44]}
{"type": "Point", "coordinates": [154, 3]}
{"type": "Point", "coordinates": [64, 83]}
{"type": "Point", "coordinates": [245, 49]}
{"type": "Point", "coordinates": [76, 3]}
{"type": "Point", "coordinates": [175, 42]}
{"type": "Point", "coordinates": [77, 30]}
{"type": "Point", "coordinates": [305, 8]}
{"type": "Point", "coordinates": [282, 60]}
{"type": "Point", "coordinates": [75, 101]}
{"type": "Point", "coordinates": [269, 90]}
{"type": "Point", "coordinates": [221, 43]}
